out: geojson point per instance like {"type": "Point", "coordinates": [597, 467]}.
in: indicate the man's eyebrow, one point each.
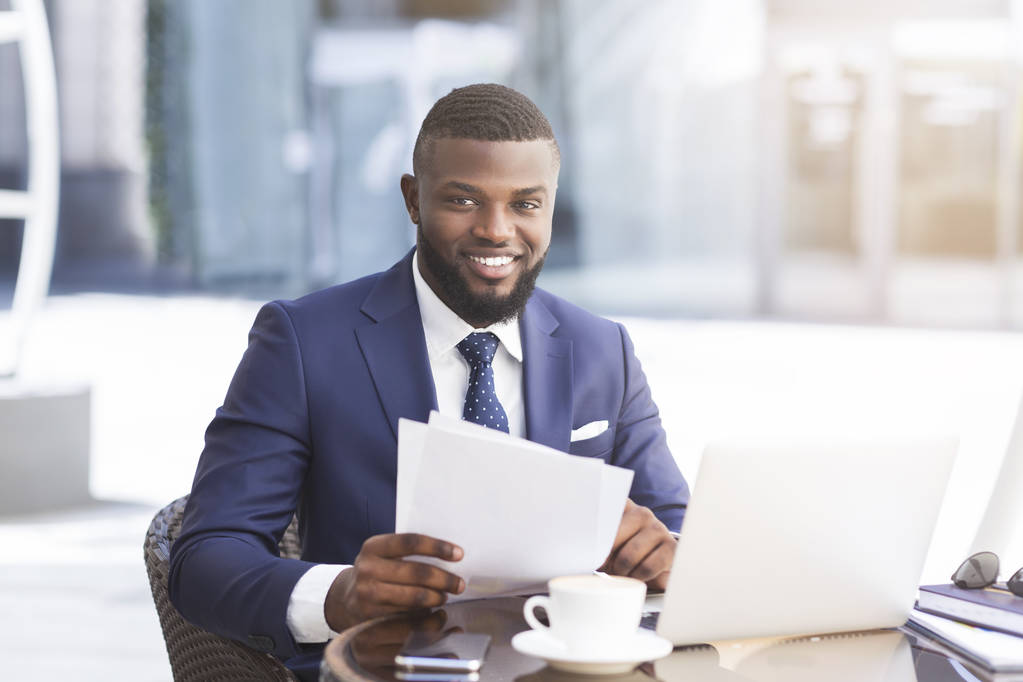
{"type": "Point", "coordinates": [473, 189]}
{"type": "Point", "coordinates": [464, 187]}
{"type": "Point", "coordinates": [527, 191]}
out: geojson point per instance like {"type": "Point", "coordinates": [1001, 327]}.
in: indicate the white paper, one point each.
{"type": "Point", "coordinates": [411, 437]}
{"type": "Point", "coordinates": [522, 512]}
{"type": "Point", "coordinates": [453, 424]}
{"type": "Point", "coordinates": [614, 489]}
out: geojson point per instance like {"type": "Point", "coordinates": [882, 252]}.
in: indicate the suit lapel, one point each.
{"type": "Point", "coordinates": [547, 378]}
{"type": "Point", "coordinates": [395, 349]}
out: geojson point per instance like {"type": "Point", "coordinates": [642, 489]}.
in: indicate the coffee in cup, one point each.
{"type": "Point", "coordinates": [589, 613]}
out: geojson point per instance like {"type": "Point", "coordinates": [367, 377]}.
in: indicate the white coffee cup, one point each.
{"type": "Point", "coordinates": [589, 613]}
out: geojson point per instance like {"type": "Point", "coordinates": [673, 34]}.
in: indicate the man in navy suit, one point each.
{"type": "Point", "coordinates": [309, 422]}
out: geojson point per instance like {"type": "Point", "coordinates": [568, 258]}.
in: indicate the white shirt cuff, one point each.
{"type": "Point", "coordinates": [305, 616]}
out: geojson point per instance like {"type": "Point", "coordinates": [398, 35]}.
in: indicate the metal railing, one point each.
{"type": "Point", "coordinates": [26, 25]}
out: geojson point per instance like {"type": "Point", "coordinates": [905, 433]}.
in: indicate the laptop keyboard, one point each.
{"type": "Point", "coordinates": [649, 620]}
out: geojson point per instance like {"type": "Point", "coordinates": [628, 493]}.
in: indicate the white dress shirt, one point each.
{"type": "Point", "coordinates": [443, 330]}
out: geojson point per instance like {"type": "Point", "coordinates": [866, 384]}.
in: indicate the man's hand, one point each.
{"type": "Point", "coordinates": [374, 649]}
{"type": "Point", "coordinates": [381, 581]}
{"type": "Point", "coordinates": [643, 548]}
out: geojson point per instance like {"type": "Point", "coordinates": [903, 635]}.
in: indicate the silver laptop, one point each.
{"type": "Point", "coordinates": [804, 537]}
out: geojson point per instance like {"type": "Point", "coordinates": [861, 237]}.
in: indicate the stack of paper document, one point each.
{"type": "Point", "coordinates": [522, 512]}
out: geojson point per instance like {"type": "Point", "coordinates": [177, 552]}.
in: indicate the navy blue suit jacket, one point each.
{"type": "Point", "coordinates": [310, 423]}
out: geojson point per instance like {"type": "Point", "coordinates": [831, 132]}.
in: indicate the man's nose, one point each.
{"type": "Point", "coordinates": [495, 225]}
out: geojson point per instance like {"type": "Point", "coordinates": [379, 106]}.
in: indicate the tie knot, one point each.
{"type": "Point", "coordinates": [479, 347]}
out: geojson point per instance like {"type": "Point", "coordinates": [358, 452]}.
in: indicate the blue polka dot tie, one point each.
{"type": "Point", "coordinates": [481, 404]}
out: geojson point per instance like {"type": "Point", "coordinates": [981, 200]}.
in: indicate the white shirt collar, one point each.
{"type": "Point", "coordinates": [444, 329]}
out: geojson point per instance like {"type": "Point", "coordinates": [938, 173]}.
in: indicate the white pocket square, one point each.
{"type": "Point", "coordinates": [588, 431]}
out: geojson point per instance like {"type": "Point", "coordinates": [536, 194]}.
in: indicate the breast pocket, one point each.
{"type": "Point", "coordinates": [598, 446]}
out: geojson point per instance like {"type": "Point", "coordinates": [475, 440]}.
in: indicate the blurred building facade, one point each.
{"type": "Point", "coordinates": [99, 55]}
{"type": "Point", "coordinates": [793, 158]}
{"type": "Point", "coordinates": [891, 174]}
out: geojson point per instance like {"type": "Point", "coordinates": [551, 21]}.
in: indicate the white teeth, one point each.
{"type": "Point", "coordinates": [493, 262]}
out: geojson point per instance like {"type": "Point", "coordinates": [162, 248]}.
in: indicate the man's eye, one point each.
{"type": "Point", "coordinates": [528, 205]}
{"type": "Point", "coordinates": [463, 201]}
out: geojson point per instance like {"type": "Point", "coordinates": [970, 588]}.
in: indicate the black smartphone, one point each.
{"type": "Point", "coordinates": [461, 652]}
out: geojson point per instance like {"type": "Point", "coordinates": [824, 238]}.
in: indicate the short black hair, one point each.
{"type": "Point", "coordinates": [484, 111]}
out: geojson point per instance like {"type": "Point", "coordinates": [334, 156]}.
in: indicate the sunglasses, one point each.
{"type": "Point", "coordinates": [981, 570]}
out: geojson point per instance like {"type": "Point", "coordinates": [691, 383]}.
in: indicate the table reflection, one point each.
{"type": "Point", "coordinates": [878, 656]}
{"type": "Point", "coordinates": [368, 651]}
{"type": "Point", "coordinates": [552, 675]}
{"type": "Point", "coordinates": [374, 648]}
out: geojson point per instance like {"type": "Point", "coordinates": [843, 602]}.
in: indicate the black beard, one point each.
{"type": "Point", "coordinates": [478, 310]}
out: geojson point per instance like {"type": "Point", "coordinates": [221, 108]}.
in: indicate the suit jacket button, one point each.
{"type": "Point", "coordinates": [261, 643]}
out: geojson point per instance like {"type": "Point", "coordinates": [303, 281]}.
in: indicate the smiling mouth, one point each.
{"type": "Point", "coordinates": [492, 268]}
{"type": "Point", "coordinates": [493, 261]}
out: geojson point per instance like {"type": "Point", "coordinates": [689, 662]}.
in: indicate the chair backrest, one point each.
{"type": "Point", "coordinates": [195, 654]}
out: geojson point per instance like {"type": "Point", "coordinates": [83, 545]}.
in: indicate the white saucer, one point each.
{"type": "Point", "coordinates": [639, 648]}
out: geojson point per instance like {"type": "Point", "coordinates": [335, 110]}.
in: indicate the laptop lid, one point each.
{"type": "Point", "coordinates": [804, 537]}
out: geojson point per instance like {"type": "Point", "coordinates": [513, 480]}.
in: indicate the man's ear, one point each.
{"type": "Point", "coordinates": [410, 190]}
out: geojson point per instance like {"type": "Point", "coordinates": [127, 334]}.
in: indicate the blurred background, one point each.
{"type": "Point", "coordinates": [807, 212]}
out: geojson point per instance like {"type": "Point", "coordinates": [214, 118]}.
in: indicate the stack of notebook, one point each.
{"type": "Point", "coordinates": [994, 608]}
{"type": "Point", "coordinates": [984, 626]}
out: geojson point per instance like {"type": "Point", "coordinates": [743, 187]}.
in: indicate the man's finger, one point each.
{"type": "Point", "coordinates": [659, 583]}
{"type": "Point", "coordinates": [388, 597]}
{"type": "Point", "coordinates": [655, 563]}
{"type": "Point", "coordinates": [634, 519]}
{"type": "Point", "coordinates": [633, 552]}
{"type": "Point", "coordinates": [397, 545]}
{"type": "Point", "coordinates": [415, 573]}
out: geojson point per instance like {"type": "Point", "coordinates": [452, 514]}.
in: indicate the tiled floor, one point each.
{"type": "Point", "coordinates": [74, 598]}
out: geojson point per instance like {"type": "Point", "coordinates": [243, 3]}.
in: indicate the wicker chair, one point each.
{"type": "Point", "coordinates": [195, 654]}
